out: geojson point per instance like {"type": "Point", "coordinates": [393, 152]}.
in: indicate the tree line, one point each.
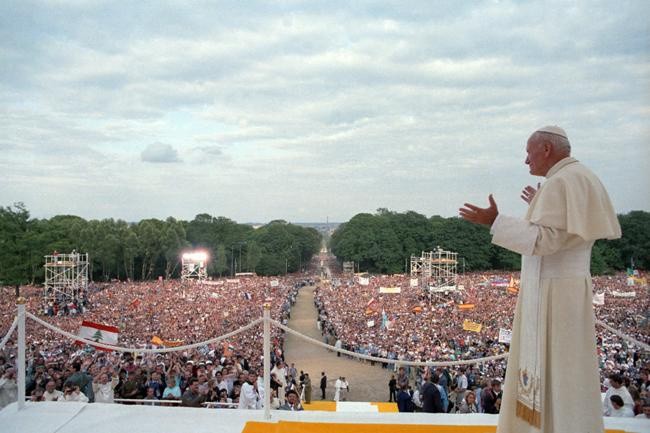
{"type": "Point", "coordinates": [151, 247]}
{"type": "Point", "coordinates": [384, 242]}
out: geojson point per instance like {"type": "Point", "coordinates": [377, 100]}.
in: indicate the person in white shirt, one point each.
{"type": "Point", "coordinates": [72, 393]}
{"type": "Point", "coordinates": [616, 388]}
{"type": "Point", "coordinates": [619, 409]}
{"type": "Point", "coordinates": [104, 390]}
{"type": "Point", "coordinates": [51, 393]}
{"type": "Point", "coordinates": [337, 389]}
{"type": "Point", "coordinates": [249, 397]}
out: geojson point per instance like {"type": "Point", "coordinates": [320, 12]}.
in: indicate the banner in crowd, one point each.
{"type": "Point", "coordinates": [390, 290]}
{"type": "Point", "coordinates": [416, 309]}
{"type": "Point", "coordinates": [364, 281]}
{"type": "Point", "coordinates": [275, 283]}
{"type": "Point", "coordinates": [505, 335]}
{"type": "Point", "coordinates": [167, 343]}
{"type": "Point", "coordinates": [618, 294]}
{"type": "Point", "coordinates": [232, 280]}
{"type": "Point", "coordinates": [213, 283]}
{"type": "Point", "coordinates": [100, 333]}
{"type": "Point", "coordinates": [512, 290]}
{"type": "Point", "coordinates": [228, 349]}
{"type": "Point", "coordinates": [371, 323]}
{"type": "Point", "coordinates": [499, 282]}
{"type": "Point", "coordinates": [135, 303]}
{"type": "Point", "coordinates": [468, 325]}
{"type": "Point", "coordinates": [599, 299]}
{"type": "Point", "coordinates": [414, 282]}
{"type": "Point", "coordinates": [466, 306]}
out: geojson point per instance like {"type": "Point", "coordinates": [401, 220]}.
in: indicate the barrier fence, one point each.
{"type": "Point", "coordinates": [19, 322]}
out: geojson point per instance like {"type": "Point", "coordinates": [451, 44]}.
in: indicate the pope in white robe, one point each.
{"type": "Point", "coordinates": [552, 381]}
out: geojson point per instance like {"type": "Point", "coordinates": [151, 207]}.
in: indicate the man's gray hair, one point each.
{"type": "Point", "coordinates": [559, 143]}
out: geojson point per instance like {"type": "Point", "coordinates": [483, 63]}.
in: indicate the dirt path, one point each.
{"type": "Point", "coordinates": [367, 383]}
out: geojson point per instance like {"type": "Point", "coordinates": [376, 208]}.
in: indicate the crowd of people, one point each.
{"type": "Point", "coordinates": [412, 325]}
{"type": "Point", "coordinates": [169, 313]}
{"type": "Point", "coordinates": [415, 324]}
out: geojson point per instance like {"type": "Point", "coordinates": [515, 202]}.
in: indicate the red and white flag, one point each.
{"type": "Point", "coordinates": [97, 332]}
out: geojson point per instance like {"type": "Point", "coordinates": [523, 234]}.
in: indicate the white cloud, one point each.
{"type": "Point", "coordinates": [159, 152]}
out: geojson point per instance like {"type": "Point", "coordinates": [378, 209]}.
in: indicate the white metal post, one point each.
{"type": "Point", "coordinates": [267, 361]}
{"type": "Point", "coordinates": [20, 302]}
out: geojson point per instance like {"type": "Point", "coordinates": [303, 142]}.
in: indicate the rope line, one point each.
{"type": "Point", "coordinates": [387, 360]}
{"type": "Point", "coordinates": [626, 337]}
{"type": "Point", "coordinates": [12, 328]}
{"type": "Point", "coordinates": [135, 350]}
{"type": "Point", "coordinates": [643, 346]}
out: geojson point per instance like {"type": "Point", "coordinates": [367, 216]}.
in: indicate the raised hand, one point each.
{"type": "Point", "coordinates": [480, 215]}
{"type": "Point", "coordinates": [529, 192]}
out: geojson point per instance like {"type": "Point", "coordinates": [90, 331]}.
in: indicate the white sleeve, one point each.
{"type": "Point", "coordinates": [528, 239]}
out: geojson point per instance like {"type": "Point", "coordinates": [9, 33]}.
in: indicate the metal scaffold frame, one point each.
{"type": "Point", "coordinates": [437, 270]}
{"type": "Point", "coordinates": [194, 266]}
{"type": "Point", "coordinates": [66, 277]}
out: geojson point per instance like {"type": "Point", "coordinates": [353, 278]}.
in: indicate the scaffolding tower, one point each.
{"type": "Point", "coordinates": [66, 277]}
{"type": "Point", "coordinates": [194, 266]}
{"type": "Point", "coordinates": [437, 270]}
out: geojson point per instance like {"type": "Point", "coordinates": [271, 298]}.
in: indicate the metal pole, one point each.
{"type": "Point", "coordinates": [267, 361]}
{"type": "Point", "coordinates": [232, 259]}
{"type": "Point", "coordinates": [20, 303]}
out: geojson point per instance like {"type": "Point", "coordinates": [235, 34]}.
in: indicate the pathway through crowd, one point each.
{"type": "Point", "coordinates": [367, 382]}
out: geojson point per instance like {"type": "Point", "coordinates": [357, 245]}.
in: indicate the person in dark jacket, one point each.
{"type": "Point", "coordinates": [404, 400]}
{"type": "Point", "coordinates": [430, 396]}
{"type": "Point", "coordinates": [392, 389]}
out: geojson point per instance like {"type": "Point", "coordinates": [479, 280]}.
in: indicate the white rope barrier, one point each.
{"type": "Point", "coordinates": [136, 350]}
{"type": "Point", "coordinates": [387, 360]}
{"type": "Point", "coordinates": [625, 337]}
{"type": "Point", "coordinates": [12, 328]}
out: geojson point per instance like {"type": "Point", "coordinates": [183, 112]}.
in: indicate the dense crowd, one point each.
{"type": "Point", "coordinates": [174, 311]}
{"type": "Point", "coordinates": [412, 325]}
{"type": "Point", "coordinates": [418, 325]}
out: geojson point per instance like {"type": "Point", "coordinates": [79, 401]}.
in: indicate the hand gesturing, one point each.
{"type": "Point", "coordinates": [480, 215]}
{"type": "Point", "coordinates": [529, 192]}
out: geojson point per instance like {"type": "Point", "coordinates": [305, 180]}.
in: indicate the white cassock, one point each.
{"type": "Point", "coordinates": [337, 386]}
{"type": "Point", "coordinates": [552, 381]}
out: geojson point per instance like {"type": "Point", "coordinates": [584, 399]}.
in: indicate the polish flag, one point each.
{"type": "Point", "coordinates": [97, 332]}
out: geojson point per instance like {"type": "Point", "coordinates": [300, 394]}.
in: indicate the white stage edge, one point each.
{"type": "Point", "coordinates": [110, 418]}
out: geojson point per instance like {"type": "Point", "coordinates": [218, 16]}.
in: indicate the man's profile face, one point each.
{"type": "Point", "coordinates": [536, 156]}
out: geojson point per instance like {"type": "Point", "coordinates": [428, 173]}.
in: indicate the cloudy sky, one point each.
{"type": "Point", "coordinates": [307, 110]}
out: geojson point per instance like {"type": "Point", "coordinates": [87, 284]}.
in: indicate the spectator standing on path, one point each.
{"type": "Point", "coordinates": [392, 387]}
{"type": "Point", "coordinates": [554, 314]}
{"type": "Point", "coordinates": [323, 384]}
{"type": "Point", "coordinates": [404, 401]}
{"type": "Point", "coordinates": [431, 401]}
{"type": "Point", "coordinates": [306, 389]}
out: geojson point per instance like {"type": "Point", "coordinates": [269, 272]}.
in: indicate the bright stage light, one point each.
{"type": "Point", "coordinates": [196, 256]}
